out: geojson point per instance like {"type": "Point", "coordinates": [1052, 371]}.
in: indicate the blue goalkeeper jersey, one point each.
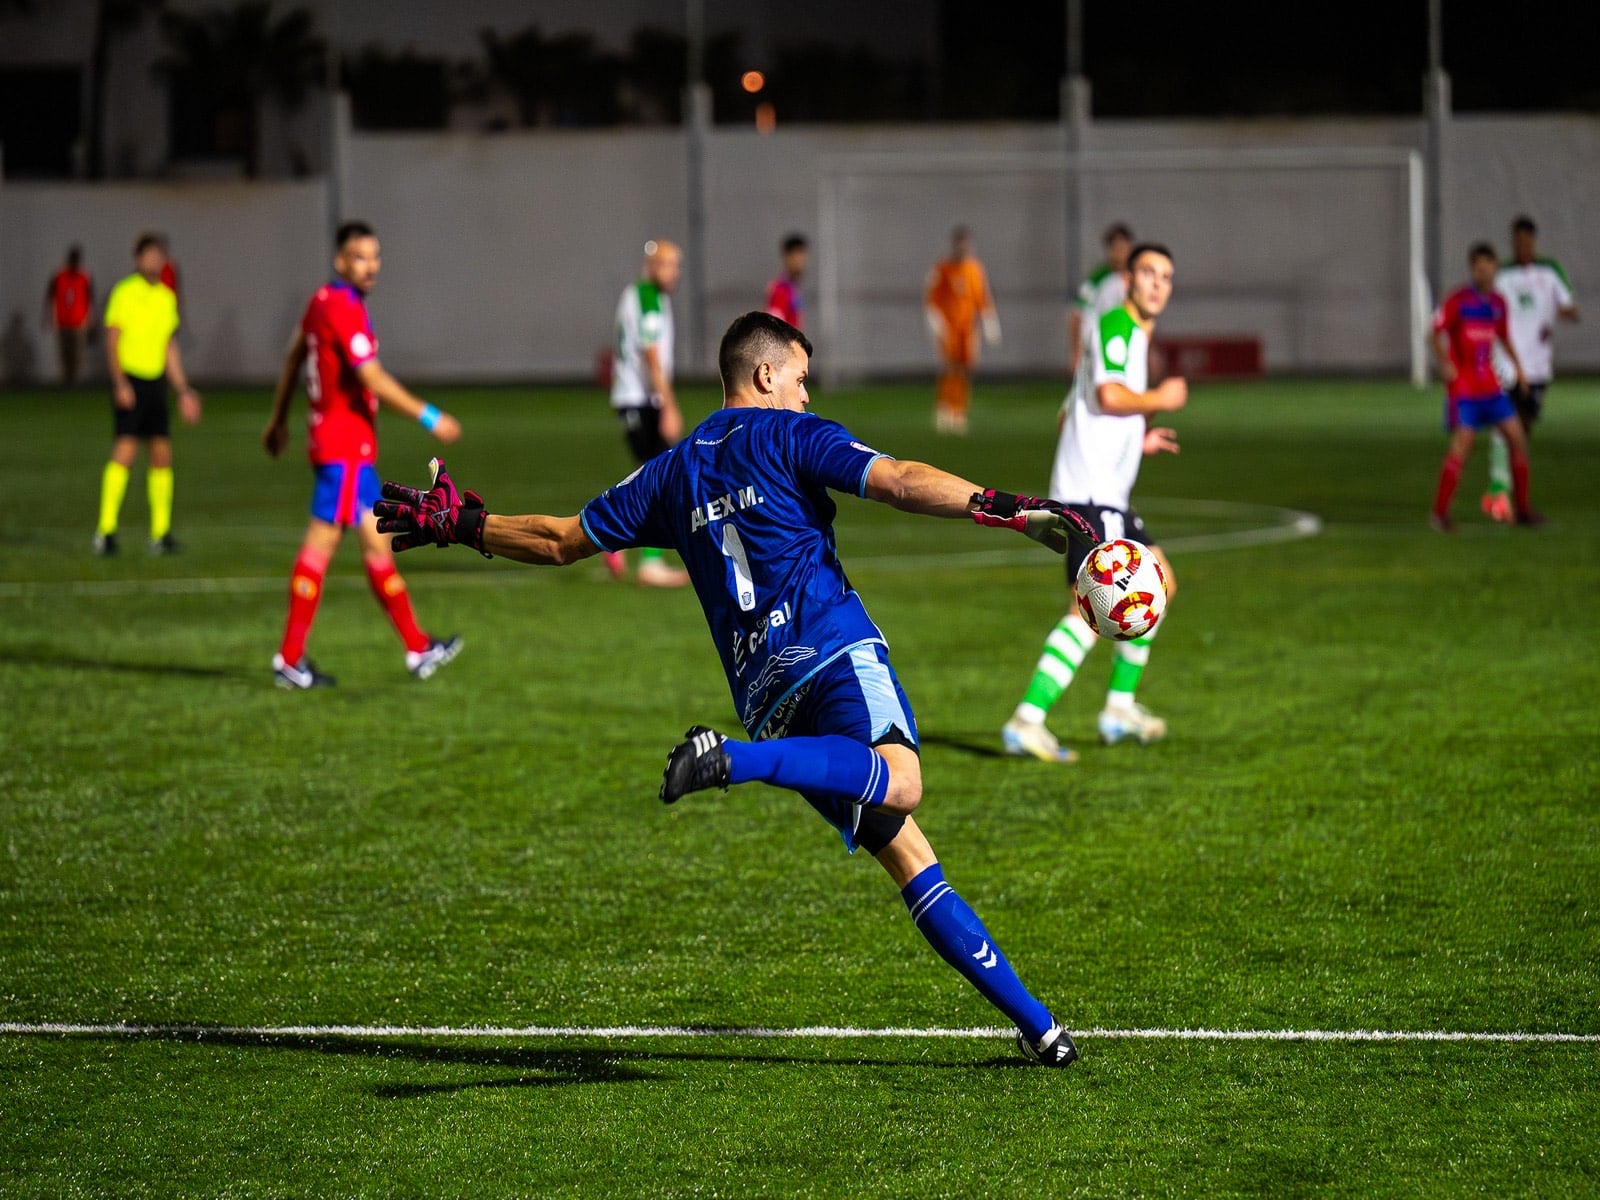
{"type": "Point", "coordinates": [744, 500]}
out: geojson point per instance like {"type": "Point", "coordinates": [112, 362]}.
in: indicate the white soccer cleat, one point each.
{"type": "Point", "coordinates": [423, 663]}
{"type": "Point", "coordinates": [298, 677]}
{"type": "Point", "coordinates": [1118, 722]}
{"type": "Point", "coordinates": [1026, 739]}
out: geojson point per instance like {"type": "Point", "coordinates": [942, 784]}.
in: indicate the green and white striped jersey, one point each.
{"type": "Point", "coordinates": [1534, 294]}
{"type": "Point", "coordinates": [644, 318]}
{"type": "Point", "coordinates": [1097, 458]}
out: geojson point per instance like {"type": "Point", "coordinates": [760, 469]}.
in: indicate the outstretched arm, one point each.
{"type": "Point", "coordinates": [538, 539]}
{"type": "Point", "coordinates": [443, 516]}
{"type": "Point", "coordinates": [918, 488]}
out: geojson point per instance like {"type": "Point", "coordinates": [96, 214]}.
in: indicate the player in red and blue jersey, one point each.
{"type": "Point", "coordinates": [1466, 328]}
{"type": "Point", "coordinates": [784, 299]}
{"type": "Point", "coordinates": [338, 352]}
{"type": "Point", "coordinates": [745, 499]}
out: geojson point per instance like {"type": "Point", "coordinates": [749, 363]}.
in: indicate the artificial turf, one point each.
{"type": "Point", "coordinates": [1377, 809]}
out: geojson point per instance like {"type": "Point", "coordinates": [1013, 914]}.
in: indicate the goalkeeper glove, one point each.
{"type": "Point", "coordinates": [1046, 521]}
{"type": "Point", "coordinates": [440, 516]}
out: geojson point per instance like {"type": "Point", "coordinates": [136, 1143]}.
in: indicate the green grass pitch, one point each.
{"type": "Point", "coordinates": [1377, 809]}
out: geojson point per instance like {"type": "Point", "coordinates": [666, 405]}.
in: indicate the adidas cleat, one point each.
{"type": "Point", "coordinates": [1025, 739]}
{"type": "Point", "coordinates": [423, 663]}
{"type": "Point", "coordinates": [695, 764]}
{"type": "Point", "coordinates": [1119, 722]}
{"type": "Point", "coordinates": [300, 677]}
{"type": "Point", "coordinates": [1055, 1049]}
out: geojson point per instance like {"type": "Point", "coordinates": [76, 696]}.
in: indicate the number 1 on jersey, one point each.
{"type": "Point", "coordinates": [744, 588]}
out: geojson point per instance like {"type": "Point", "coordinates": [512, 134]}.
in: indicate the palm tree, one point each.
{"type": "Point", "coordinates": [227, 62]}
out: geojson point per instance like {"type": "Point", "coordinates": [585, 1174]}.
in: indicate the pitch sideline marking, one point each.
{"type": "Point", "coordinates": [757, 1032]}
{"type": "Point", "coordinates": [1290, 525]}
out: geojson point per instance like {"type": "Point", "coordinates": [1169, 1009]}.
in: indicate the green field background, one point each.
{"type": "Point", "coordinates": [1377, 809]}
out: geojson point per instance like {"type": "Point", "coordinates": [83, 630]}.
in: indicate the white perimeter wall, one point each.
{"type": "Point", "coordinates": [504, 255]}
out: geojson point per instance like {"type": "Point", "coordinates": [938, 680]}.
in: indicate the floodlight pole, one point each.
{"type": "Point", "coordinates": [1074, 138]}
{"type": "Point", "coordinates": [1436, 105]}
{"type": "Point", "coordinates": [697, 126]}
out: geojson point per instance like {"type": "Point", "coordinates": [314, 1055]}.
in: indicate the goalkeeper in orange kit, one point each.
{"type": "Point", "coordinates": [956, 300]}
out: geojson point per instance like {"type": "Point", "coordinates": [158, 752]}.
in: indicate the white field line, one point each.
{"type": "Point", "coordinates": [805, 1032]}
{"type": "Point", "coordinates": [1288, 525]}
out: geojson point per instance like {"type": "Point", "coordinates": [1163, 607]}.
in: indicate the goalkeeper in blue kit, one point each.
{"type": "Point", "coordinates": [744, 500]}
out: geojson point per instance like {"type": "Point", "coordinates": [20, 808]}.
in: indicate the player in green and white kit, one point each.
{"type": "Point", "coordinates": [641, 384]}
{"type": "Point", "coordinates": [1104, 435]}
{"type": "Point", "coordinates": [1537, 294]}
{"type": "Point", "coordinates": [1103, 290]}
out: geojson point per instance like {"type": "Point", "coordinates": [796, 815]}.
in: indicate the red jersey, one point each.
{"type": "Point", "coordinates": [339, 338]}
{"type": "Point", "coordinates": [1472, 320]}
{"type": "Point", "coordinates": [69, 294]}
{"type": "Point", "coordinates": [785, 301]}
{"type": "Point", "coordinates": [169, 275]}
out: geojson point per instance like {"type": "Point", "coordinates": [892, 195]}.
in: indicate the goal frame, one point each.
{"type": "Point", "coordinates": [1074, 166]}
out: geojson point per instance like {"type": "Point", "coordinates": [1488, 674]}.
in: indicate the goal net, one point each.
{"type": "Point", "coordinates": [1315, 254]}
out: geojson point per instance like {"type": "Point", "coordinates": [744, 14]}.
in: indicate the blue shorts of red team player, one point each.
{"type": "Point", "coordinates": [1478, 412]}
{"type": "Point", "coordinates": [856, 696]}
{"type": "Point", "coordinates": [344, 492]}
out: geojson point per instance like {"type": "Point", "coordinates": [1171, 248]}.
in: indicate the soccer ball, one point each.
{"type": "Point", "coordinates": [1121, 590]}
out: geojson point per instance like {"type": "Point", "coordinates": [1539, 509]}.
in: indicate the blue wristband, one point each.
{"type": "Point", "coordinates": [429, 417]}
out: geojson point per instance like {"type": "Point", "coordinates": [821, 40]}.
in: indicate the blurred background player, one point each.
{"type": "Point", "coordinates": [1102, 441]}
{"type": "Point", "coordinates": [1466, 328]}
{"type": "Point", "coordinates": [784, 299]}
{"type": "Point", "coordinates": [1537, 294]}
{"type": "Point", "coordinates": [956, 300]}
{"type": "Point", "coordinates": [68, 300]}
{"type": "Point", "coordinates": [1102, 290]}
{"type": "Point", "coordinates": [808, 669]}
{"type": "Point", "coordinates": [142, 355]}
{"type": "Point", "coordinates": [335, 347]}
{"type": "Point", "coordinates": [641, 384]}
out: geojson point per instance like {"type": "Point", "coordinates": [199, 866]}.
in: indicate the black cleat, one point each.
{"type": "Point", "coordinates": [1054, 1049]}
{"type": "Point", "coordinates": [105, 545]}
{"type": "Point", "coordinates": [300, 676]}
{"type": "Point", "coordinates": [165, 544]}
{"type": "Point", "coordinates": [1530, 517]}
{"type": "Point", "coordinates": [696, 763]}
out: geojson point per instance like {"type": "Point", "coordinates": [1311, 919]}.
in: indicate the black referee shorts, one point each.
{"type": "Point", "coordinates": [149, 416]}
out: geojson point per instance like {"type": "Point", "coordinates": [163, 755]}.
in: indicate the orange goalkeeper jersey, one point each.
{"type": "Point", "coordinates": [959, 289]}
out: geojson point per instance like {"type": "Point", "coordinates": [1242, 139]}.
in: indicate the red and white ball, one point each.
{"type": "Point", "coordinates": [1122, 591]}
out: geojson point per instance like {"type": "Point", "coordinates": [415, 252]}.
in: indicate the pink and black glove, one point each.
{"type": "Point", "coordinates": [1046, 521]}
{"type": "Point", "coordinates": [440, 516]}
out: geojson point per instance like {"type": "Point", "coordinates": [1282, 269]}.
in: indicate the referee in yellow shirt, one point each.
{"type": "Point", "coordinates": [142, 351]}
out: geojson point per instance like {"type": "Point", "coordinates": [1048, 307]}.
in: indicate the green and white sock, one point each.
{"type": "Point", "coordinates": [1125, 672]}
{"type": "Point", "coordinates": [1064, 651]}
{"type": "Point", "coordinates": [1499, 464]}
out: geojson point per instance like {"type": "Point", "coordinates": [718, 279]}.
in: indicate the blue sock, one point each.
{"type": "Point", "coordinates": [832, 764]}
{"type": "Point", "coordinates": [955, 932]}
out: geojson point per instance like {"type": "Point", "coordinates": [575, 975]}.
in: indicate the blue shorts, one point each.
{"type": "Point", "coordinates": [344, 492]}
{"type": "Point", "coordinates": [1483, 412]}
{"type": "Point", "coordinates": [856, 696]}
